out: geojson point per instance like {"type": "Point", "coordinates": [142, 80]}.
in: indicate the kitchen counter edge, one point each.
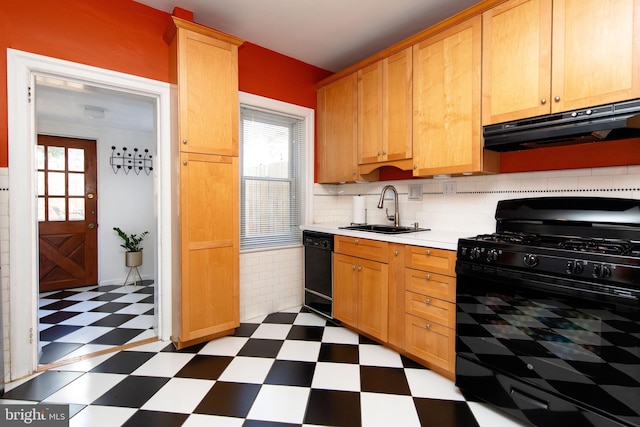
{"type": "Point", "coordinates": [438, 239]}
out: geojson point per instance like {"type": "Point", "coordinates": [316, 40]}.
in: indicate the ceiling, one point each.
{"type": "Point", "coordinates": [330, 34]}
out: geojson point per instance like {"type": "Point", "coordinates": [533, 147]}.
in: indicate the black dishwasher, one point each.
{"type": "Point", "coordinates": [318, 272]}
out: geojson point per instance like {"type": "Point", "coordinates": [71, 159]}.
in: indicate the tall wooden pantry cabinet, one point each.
{"type": "Point", "coordinates": [204, 72]}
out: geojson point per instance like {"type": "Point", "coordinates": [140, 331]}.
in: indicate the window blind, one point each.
{"type": "Point", "coordinates": [271, 178]}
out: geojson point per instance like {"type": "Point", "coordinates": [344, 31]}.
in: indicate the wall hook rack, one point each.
{"type": "Point", "coordinates": [128, 161]}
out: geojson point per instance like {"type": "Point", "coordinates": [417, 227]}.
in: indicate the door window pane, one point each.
{"type": "Point", "coordinates": [40, 157]}
{"type": "Point", "coordinates": [56, 186]}
{"type": "Point", "coordinates": [55, 156]}
{"type": "Point", "coordinates": [57, 211]}
{"type": "Point", "coordinates": [41, 209]}
{"type": "Point", "coordinates": [40, 183]}
{"type": "Point", "coordinates": [76, 208]}
{"type": "Point", "coordinates": [76, 159]}
{"type": "Point", "coordinates": [76, 184]}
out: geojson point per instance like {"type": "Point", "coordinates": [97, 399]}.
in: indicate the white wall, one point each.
{"type": "Point", "coordinates": [124, 200]}
{"type": "Point", "coordinates": [472, 208]}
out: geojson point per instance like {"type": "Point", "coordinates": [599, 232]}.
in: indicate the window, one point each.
{"type": "Point", "coordinates": [271, 178]}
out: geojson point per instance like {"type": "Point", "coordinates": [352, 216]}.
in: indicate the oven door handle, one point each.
{"type": "Point", "coordinates": [528, 398]}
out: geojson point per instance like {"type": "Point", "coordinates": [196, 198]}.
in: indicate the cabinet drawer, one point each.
{"type": "Point", "coordinates": [362, 248]}
{"type": "Point", "coordinates": [439, 261]}
{"type": "Point", "coordinates": [431, 342]}
{"type": "Point", "coordinates": [430, 309]}
{"type": "Point", "coordinates": [434, 285]}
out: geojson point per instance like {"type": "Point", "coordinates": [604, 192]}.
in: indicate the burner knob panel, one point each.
{"type": "Point", "coordinates": [475, 253]}
{"type": "Point", "coordinates": [492, 255]}
{"type": "Point", "coordinates": [601, 270]}
{"type": "Point", "coordinates": [575, 267]}
{"type": "Point", "coordinates": [531, 260]}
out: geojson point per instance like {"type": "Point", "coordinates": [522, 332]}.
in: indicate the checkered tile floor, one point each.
{"type": "Point", "coordinates": [287, 369]}
{"type": "Point", "coordinates": [80, 321]}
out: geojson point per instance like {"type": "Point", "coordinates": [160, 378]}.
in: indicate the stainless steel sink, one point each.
{"type": "Point", "coordinates": [384, 229]}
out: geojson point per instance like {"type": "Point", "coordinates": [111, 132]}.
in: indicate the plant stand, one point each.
{"type": "Point", "coordinates": [133, 260]}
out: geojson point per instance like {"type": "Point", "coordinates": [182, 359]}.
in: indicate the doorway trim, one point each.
{"type": "Point", "coordinates": [23, 262]}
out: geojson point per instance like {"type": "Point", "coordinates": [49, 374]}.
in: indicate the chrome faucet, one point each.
{"type": "Point", "coordinates": [396, 216]}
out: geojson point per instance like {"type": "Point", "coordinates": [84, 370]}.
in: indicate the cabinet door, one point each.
{"type": "Point", "coordinates": [337, 131]}
{"type": "Point", "coordinates": [207, 94]}
{"type": "Point", "coordinates": [596, 52]}
{"type": "Point", "coordinates": [345, 289]}
{"type": "Point", "coordinates": [209, 297]}
{"type": "Point", "coordinates": [370, 118]}
{"type": "Point", "coordinates": [373, 298]}
{"type": "Point", "coordinates": [397, 106]}
{"type": "Point", "coordinates": [516, 60]}
{"type": "Point", "coordinates": [446, 121]}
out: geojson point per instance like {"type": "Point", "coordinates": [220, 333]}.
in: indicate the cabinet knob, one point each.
{"type": "Point", "coordinates": [184, 141]}
{"type": "Point", "coordinates": [356, 241]}
{"type": "Point", "coordinates": [543, 101]}
{"type": "Point", "coordinates": [384, 153]}
{"type": "Point", "coordinates": [415, 166]}
{"type": "Point", "coordinates": [353, 267]}
{"type": "Point", "coordinates": [359, 268]}
{"type": "Point", "coordinates": [427, 301]}
{"type": "Point", "coordinates": [379, 153]}
{"type": "Point", "coordinates": [353, 173]}
{"type": "Point", "coordinates": [427, 252]}
{"type": "Point", "coordinates": [427, 276]}
{"type": "Point", "coordinates": [428, 326]}
{"type": "Point", "coordinates": [395, 253]}
{"type": "Point", "coordinates": [557, 99]}
{"type": "Point", "coordinates": [184, 162]}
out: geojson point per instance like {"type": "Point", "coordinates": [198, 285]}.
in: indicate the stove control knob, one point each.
{"type": "Point", "coordinates": [531, 260]}
{"type": "Point", "coordinates": [492, 255]}
{"type": "Point", "coordinates": [575, 267]}
{"type": "Point", "coordinates": [601, 270]}
{"type": "Point", "coordinates": [475, 253]}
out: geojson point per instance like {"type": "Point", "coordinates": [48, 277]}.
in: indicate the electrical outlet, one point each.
{"type": "Point", "coordinates": [415, 191]}
{"type": "Point", "coordinates": [449, 188]}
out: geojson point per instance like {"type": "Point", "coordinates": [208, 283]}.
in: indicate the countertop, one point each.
{"type": "Point", "coordinates": [439, 239]}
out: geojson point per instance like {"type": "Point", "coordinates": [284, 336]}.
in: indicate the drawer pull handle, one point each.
{"type": "Point", "coordinates": [427, 301]}
{"type": "Point", "coordinates": [427, 252]}
{"type": "Point", "coordinates": [428, 326]}
{"type": "Point", "coordinates": [427, 276]}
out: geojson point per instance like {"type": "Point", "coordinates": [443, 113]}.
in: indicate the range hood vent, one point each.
{"type": "Point", "coordinates": [601, 123]}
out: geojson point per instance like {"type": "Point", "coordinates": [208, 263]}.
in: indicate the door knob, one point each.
{"type": "Point", "coordinates": [91, 226]}
{"type": "Point", "coordinates": [90, 196]}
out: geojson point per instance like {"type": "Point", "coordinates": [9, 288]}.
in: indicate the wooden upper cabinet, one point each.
{"type": "Point", "coordinates": [337, 130]}
{"type": "Point", "coordinates": [385, 109]}
{"type": "Point", "coordinates": [446, 103]}
{"type": "Point", "coordinates": [204, 65]}
{"type": "Point", "coordinates": [543, 57]}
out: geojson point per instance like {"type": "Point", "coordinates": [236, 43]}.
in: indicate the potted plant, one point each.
{"type": "Point", "coordinates": [131, 242]}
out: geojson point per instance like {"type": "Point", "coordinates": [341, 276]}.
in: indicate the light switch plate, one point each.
{"type": "Point", "coordinates": [449, 188]}
{"type": "Point", "coordinates": [415, 192]}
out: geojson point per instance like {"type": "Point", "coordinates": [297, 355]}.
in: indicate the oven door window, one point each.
{"type": "Point", "coordinates": [576, 347]}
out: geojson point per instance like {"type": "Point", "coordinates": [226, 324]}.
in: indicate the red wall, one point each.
{"type": "Point", "coordinates": [126, 36]}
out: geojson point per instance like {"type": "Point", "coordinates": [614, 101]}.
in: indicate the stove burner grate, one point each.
{"type": "Point", "coordinates": [603, 246]}
{"type": "Point", "coordinates": [511, 237]}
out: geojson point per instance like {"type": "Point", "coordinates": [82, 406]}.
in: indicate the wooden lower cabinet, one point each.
{"type": "Point", "coordinates": [361, 294]}
{"type": "Point", "coordinates": [430, 309]}
{"type": "Point", "coordinates": [431, 342]}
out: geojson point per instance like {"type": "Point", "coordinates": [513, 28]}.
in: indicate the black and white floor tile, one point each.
{"type": "Point", "coordinates": [80, 321]}
{"type": "Point", "coordinates": [290, 368]}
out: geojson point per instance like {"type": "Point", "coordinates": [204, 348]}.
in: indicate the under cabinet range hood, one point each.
{"type": "Point", "coordinates": [602, 123]}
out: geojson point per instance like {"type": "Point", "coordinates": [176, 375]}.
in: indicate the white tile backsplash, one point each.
{"type": "Point", "coordinates": [473, 206]}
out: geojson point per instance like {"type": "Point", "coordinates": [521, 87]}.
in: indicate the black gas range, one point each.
{"type": "Point", "coordinates": [548, 323]}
